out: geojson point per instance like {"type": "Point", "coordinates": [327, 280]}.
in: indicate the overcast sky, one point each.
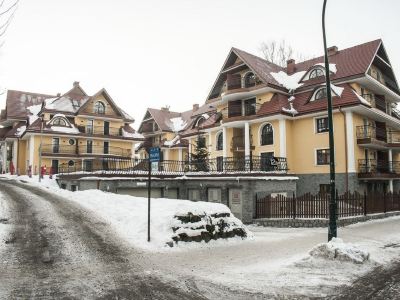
{"type": "Point", "coordinates": [168, 52]}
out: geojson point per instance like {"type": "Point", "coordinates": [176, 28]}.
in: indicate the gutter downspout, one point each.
{"type": "Point", "coordinates": [346, 184]}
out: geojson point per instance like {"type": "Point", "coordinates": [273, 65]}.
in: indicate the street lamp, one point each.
{"type": "Point", "coordinates": [332, 231]}
{"type": "Point", "coordinates": [40, 148]}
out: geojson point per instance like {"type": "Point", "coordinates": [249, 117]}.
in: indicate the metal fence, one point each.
{"type": "Point", "coordinates": [317, 206]}
{"type": "Point", "coordinates": [171, 167]}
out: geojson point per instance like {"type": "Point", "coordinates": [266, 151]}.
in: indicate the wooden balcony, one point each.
{"type": "Point", "coordinates": [377, 138]}
{"type": "Point", "coordinates": [378, 169]}
{"type": "Point", "coordinates": [84, 151]}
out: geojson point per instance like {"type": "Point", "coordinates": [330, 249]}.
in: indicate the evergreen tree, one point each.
{"type": "Point", "coordinates": [200, 156]}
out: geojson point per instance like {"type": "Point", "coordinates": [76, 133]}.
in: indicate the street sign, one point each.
{"type": "Point", "coordinates": [154, 154]}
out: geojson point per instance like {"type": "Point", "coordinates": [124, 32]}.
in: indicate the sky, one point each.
{"type": "Point", "coordinates": [155, 53]}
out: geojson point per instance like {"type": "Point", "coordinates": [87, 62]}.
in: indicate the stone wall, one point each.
{"type": "Point", "coordinates": [295, 223]}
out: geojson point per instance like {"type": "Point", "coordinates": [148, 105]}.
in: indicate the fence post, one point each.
{"type": "Point", "coordinates": [294, 206]}
{"type": "Point", "coordinates": [365, 203]}
{"type": "Point", "coordinates": [337, 204]}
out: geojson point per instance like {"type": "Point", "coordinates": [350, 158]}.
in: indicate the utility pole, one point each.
{"type": "Point", "coordinates": [40, 149]}
{"type": "Point", "coordinates": [332, 231]}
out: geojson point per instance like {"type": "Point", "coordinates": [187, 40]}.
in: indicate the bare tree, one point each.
{"type": "Point", "coordinates": [280, 52]}
{"type": "Point", "coordinates": [7, 11]}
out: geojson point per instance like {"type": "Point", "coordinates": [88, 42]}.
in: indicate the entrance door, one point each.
{"type": "Point", "coordinates": [106, 128]}
{"type": "Point", "coordinates": [54, 166]}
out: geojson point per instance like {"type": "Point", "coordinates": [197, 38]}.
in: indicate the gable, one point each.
{"type": "Point", "coordinates": [109, 107]}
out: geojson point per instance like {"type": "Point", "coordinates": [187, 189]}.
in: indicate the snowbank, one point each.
{"type": "Point", "coordinates": [291, 82]}
{"type": "Point", "coordinates": [4, 217]}
{"type": "Point", "coordinates": [336, 249]}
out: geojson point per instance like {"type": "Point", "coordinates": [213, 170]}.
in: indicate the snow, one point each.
{"type": "Point", "coordinates": [337, 89]}
{"type": "Point", "coordinates": [291, 82]}
{"type": "Point", "coordinates": [205, 116]}
{"type": "Point", "coordinates": [291, 98]}
{"type": "Point", "coordinates": [63, 129]}
{"type": "Point", "coordinates": [362, 99]}
{"type": "Point", "coordinates": [172, 142]}
{"type": "Point", "coordinates": [290, 110]}
{"type": "Point", "coordinates": [21, 130]}
{"type": "Point", "coordinates": [332, 67]}
{"type": "Point", "coordinates": [132, 135]}
{"type": "Point", "coordinates": [34, 110]}
{"type": "Point", "coordinates": [4, 215]}
{"type": "Point", "coordinates": [176, 124]}
{"type": "Point", "coordinates": [336, 249]}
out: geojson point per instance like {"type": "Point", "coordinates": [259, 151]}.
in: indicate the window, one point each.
{"type": "Point", "coordinates": [323, 157]}
{"type": "Point", "coordinates": [89, 127]}
{"type": "Point", "coordinates": [71, 163]}
{"type": "Point", "coordinates": [56, 145]}
{"type": "Point", "coordinates": [322, 124]}
{"type": "Point", "coordinates": [220, 163]}
{"type": "Point", "coordinates": [220, 141]}
{"type": "Point", "coordinates": [200, 121]}
{"type": "Point", "coordinates": [316, 73]}
{"type": "Point", "coordinates": [267, 135]}
{"type": "Point", "coordinates": [320, 94]}
{"type": "Point", "coordinates": [88, 165]}
{"type": "Point", "coordinates": [89, 146]}
{"type": "Point", "coordinates": [106, 147]}
{"type": "Point", "coordinates": [249, 80]}
{"type": "Point", "coordinates": [71, 142]}
{"type": "Point", "coordinates": [194, 194]}
{"type": "Point", "coordinates": [99, 108]}
{"type": "Point", "coordinates": [59, 122]}
{"type": "Point", "coordinates": [250, 107]}
{"type": "Point", "coordinates": [214, 195]}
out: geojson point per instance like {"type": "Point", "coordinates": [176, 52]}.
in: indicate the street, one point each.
{"type": "Point", "coordinates": [56, 251]}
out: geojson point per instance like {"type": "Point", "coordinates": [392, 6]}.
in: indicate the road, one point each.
{"type": "Point", "coordinates": [58, 250]}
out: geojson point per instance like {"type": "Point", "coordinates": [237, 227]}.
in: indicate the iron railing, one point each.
{"type": "Point", "coordinates": [109, 165]}
{"type": "Point", "coordinates": [85, 150]}
{"type": "Point", "coordinates": [374, 166]}
{"type": "Point", "coordinates": [371, 132]}
{"type": "Point", "coordinates": [101, 130]}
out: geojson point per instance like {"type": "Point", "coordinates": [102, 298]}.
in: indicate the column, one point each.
{"type": "Point", "coordinates": [351, 162]}
{"type": "Point", "coordinates": [4, 157]}
{"type": "Point", "coordinates": [180, 154]}
{"type": "Point", "coordinates": [15, 156]}
{"type": "Point", "coordinates": [246, 140]}
{"type": "Point", "coordinates": [282, 138]}
{"type": "Point", "coordinates": [190, 150]}
{"type": "Point", "coordinates": [391, 186]}
{"type": "Point", "coordinates": [390, 158]}
{"type": "Point", "coordinates": [166, 154]}
{"type": "Point", "coordinates": [224, 148]}
{"type": "Point", "coordinates": [210, 143]}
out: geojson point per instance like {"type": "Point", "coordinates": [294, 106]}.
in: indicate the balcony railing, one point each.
{"type": "Point", "coordinates": [240, 110]}
{"type": "Point", "coordinates": [101, 130]}
{"type": "Point", "coordinates": [76, 150]}
{"type": "Point", "coordinates": [371, 132]}
{"type": "Point", "coordinates": [275, 165]}
{"type": "Point", "coordinates": [374, 166]}
{"type": "Point", "coordinates": [375, 101]}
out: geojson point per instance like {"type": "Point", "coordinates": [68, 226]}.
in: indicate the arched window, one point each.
{"type": "Point", "coordinates": [249, 80]}
{"type": "Point", "coordinates": [200, 121]}
{"type": "Point", "coordinates": [59, 122]}
{"type": "Point", "coordinates": [220, 141]}
{"type": "Point", "coordinates": [267, 135]}
{"type": "Point", "coordinates": [99, 108]}
{"type": "Point", "coordinates": [317, 72]}
{"type": "Point", "coordinates": [320, 94]}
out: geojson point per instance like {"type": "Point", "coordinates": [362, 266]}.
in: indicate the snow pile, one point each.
{"type": "Point", "coordinates": [177, 124]}
{"type": "Point", "coordinates": [189, 227]}
{"type": "Point", "coordinates": [291, 82]}
{"type": "Point", "coordinates": [336, 249]}
{"type": "Point", "coordinates": [172, 142]}
{"type": "Point", "coordinates": [362, 99]}
{"type": "Point", "coordinates": [63, 129]}
{"type": "Point", "coordinates": [337, 90]}
{"type": "Point", "coordinates": [291, 110]}
{"type": "Point", "coordinates": [21, 130]}
{"type": "Point", "coordinates": [332, 67]}
{"type": "Point", "coordinates": [132, 135]}
{"type": "Point", "coordinates": [34, 111]}
{"type": "Point", "coordinates": [4, 220]}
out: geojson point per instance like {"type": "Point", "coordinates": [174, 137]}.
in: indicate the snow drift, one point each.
{"type": "Point", "coordinates": [336, 249]}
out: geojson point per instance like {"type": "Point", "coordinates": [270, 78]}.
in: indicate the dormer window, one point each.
{"type": "Point", "coordinates": [320, 94]}
{"type": "Point", "coordinates": [249, 80]}
{"type": "Point", "coordinates": [99, 108]}
{"type": "Point", "coordinates": [59, 122]}
{"type": "Point", "coordinates": [200, 121]}
{"type": "Point", "coordinates": [317, 72]}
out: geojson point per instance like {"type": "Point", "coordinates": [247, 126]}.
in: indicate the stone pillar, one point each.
{"type": "Point", "coordinates": [390, 155]}
{"type": "Point", "coordinates": [282, 138]}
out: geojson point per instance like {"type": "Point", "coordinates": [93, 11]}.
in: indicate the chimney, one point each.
{"type": "Point", "coordinates": [195, 107]}
{"type": "Point", "coordinates": [76, 83]}
{"type": "Point", "coordinates": [58, 94]}
{"type": "Point", "coordinates": [165, 108]}
{"type": "Point", "coordinates": [291, 65]}
{"type": "Point", "coordinates": [332, 50]}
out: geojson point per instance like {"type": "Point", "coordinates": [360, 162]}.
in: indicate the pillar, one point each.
{"type": "Point", "coordinates": [190, 150]}
{"type": "Point", "coordinates": [282, 138]}
{"type": "Point", "coordinates": [391, 186]}
{"type": "Point", "coordinates": [390, 156]}
{"type": "Point", "coordinates": [246, 140]}
{"type": "Point", "coordinates": [351, 162]}
{"type": "Point", "coordinates": [4, 157]}
{"type": "Point", "coordinates": [224, 147]}
{"type": "Point", "coordinates": [31, 151]}
{"type": "Point", "coordinates": [15, 155]}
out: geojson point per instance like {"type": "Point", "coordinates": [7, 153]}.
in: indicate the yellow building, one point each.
{"type": "Point", "coordinates": [260, 116]}
{"type": "Point", "coordinates": [73, 131]}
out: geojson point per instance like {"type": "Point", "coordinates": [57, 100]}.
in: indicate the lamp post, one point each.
{"type": "Point", "coordinates": [332, 231]}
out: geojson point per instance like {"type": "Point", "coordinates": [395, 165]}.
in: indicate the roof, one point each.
{"type": "Point", "coordinates": [163, 117]}
{"type": "Point", "coordinates": [17, 103]}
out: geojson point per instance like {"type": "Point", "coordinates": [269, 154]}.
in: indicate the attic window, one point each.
{"type": "Point", "coordinates": [99, 108]}
{"type": "Point", "coordinates": [320, 94]}
{"type": "Point", "coordinates": [249, 80]}
{"type": "Point", "coordinates": [200, 121]}
{"type": "Point", "coordinates": [59, 122]}
{"type": "Point", "coordinates": [317, 72]}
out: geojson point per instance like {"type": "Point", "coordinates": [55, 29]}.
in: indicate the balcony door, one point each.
{"type": "Point", "coordinates": [106, 128]}
{"type": "Point", "coordinates": [89, 127]}
{"type": "Point", "coordinates": [56, 145]}
{"type": "Point", "coordinates": [266, 161]}
{"type": "Point", "coordinates": [89, 146]}
{"type": "Point", "coordinates": [106, 148]}
{"type": "Point", "coordinates": [234, 108]}
{"type": "Point", "coordinates": [380, 131]}
{"type": "Point", "coordinates": [382, 162]}
{"type": "Point", "coordinates": [54, 166]}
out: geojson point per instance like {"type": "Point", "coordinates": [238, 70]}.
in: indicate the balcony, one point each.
{"type": "Point", "coordinates": [239, 109]}
{"type": "Point", "coordinates": [237, 143]}
{"type": "Point", "coordinates": [78, 151]}
{"type": "Point", "coordinates": [376, 169]}
{"type": "Point", "coordinates": [378, 138]}
{"type": "Point", "coordinates": [101, 130]}
{"type": "Point", "coordinates": [375, 101]}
